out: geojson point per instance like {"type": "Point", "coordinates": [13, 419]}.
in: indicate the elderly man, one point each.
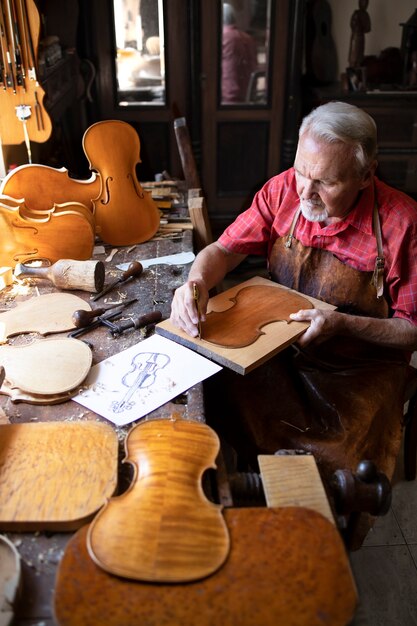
{"type": "Point", "coordinates": [330, 229]}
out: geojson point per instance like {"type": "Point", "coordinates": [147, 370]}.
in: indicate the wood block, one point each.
{"type": "Point", "coordinates": [286, 567]}
{"type": "Point", "coordinates": [55, 475]}
{"type": "Point", "coordinates": [293, 480]}
{"type": "Point", "coordinates": [6, 277]}
{"type": "Point", "coordinates": [275, 336]}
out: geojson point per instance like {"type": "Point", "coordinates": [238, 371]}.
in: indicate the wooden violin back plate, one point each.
{"type": "Point", "coordinates": [55, 475]}
{"type": "Point", "coordinates": [48, 366]}
{"type": "Point", "coordinates": [41, 187]}
{"type": "Point", "coordinates": [65, 231]}
{"type": "Point", "coordinates": [125, 214]}
{"type": "Point", "coordinates": [163, 528]}
{"type": "Point", "coordinates": [45, 314]}
{"type": "Point", "coordinates": [252, 308]}
{"type": "Point", "coordinates": [267, 328]}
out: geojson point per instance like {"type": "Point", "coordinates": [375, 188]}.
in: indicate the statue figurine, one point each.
{"type": "Point", "coordinates": [360, 24]}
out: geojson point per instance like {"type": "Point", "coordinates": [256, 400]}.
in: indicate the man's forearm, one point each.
{"type": "Point", "coordinates": [393, 333]}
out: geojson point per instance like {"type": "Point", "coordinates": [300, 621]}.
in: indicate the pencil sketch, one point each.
{"type": "Point", "coordinates": [142, 374]}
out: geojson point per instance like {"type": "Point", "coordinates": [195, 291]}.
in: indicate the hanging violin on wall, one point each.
{"type": "Point", "coordinates": [23, 117]}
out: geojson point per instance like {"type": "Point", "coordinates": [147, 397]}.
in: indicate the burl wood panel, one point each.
{"type": "Point", "coordinates": [55, 475]}
{"type": "Point", "coordinates": [163, 528]}
{"type": "Point", "coordinates": [286, 567]}
{"type": "Point", "coordinates": [274, 336]}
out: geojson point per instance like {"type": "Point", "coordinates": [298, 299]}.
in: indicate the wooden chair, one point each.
{"type": "Point", "coordinates": [410, 425]}
{"type": "Point", "coordinates": [185, 150]}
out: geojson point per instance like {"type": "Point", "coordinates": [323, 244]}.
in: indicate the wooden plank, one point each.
{"type": "Point", "coordinates": [293, 480]}
{"type": "Point", "coordinates": [276, 335]}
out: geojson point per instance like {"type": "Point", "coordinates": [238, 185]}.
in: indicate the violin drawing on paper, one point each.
{"type": "Point", "coordinates": [144, 368]}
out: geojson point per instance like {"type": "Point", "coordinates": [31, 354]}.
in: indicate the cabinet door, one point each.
{"type": "Point", "coordinates": [241, 123]}
{"type": "Point", "coordinates": [143, 68]}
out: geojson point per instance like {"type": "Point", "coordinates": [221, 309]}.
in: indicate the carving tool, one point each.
{"type": "Point", "coordinates": [196, 297]}
{"type": "Point", "coordinates": [82, 318]}
{"type": "Point", "coordinates": [112, 314]}
{"type": "Point", "coordinates": [144, 320]}
{"type": "Point", "coordinates": [134, 269]}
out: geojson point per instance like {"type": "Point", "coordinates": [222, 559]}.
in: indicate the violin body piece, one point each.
{"type": "Point", "coordinates": [125, 213]}
{"type": "Point", "coordinates": [42, 187]}
{"type": "Point", "coordinates": [64, 231]}
{"type": "Point", "coordinates": [65, 364]}
{"type": "Point", "coordinates": [163, 529]}
{"type": "Point", "coordinates": [46, 314]}
{"type": "Point", "coordinates": [252, 308]}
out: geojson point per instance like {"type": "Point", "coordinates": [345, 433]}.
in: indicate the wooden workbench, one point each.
{"type": "Point", "coordinates": [41, 552]}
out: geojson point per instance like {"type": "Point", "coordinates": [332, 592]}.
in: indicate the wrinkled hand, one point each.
{"type": "Point", "coordinates": [323, 325]}
{"type": "Point", "coordinates": [184, 313]}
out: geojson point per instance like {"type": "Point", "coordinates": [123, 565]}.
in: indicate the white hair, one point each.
{"type": "Point", "coordinates": [340, 121]}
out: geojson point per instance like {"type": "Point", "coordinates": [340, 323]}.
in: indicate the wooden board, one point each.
{"type": "Point", "coordinates": [275, 336]}
{"type": "Point", "coordinates": [48, 366]}
{"type": "Point", "coordinates": [49, 313]}
{"type": "Point", "coordinates": [286, 567]}
{"type": "Point", "coordinates": [163, 528]}
{"type": "Point", "coordinates": [55, 475]}
{"type": "Point", "coordinates": [293, 480]}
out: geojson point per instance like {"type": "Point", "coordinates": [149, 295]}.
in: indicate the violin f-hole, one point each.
{"type": "Point", "coordinates": [106, 199]}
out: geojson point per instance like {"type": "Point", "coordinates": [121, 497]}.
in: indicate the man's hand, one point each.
{"type": "Point", "coordinates": [323, 325]}
{"type": "Point", "coordinates": [184, 311]}
{"type": "Point", "coordinates": [393, 332]}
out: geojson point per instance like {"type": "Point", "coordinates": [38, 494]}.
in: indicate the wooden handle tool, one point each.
{"type": "Point", "coordinates": [134, 269]}
{"type": "Point", "coordinates": [144, 320]}
{"type": "Point", "coordinates": [82, 318]}
{"type": "Point", "coordinates": [67, 274]}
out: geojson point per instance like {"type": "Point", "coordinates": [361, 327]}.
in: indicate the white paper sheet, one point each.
{"type": "Point", "coordinates": [132, 383]}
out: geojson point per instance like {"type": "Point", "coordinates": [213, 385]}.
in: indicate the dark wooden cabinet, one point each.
{"type": "Point", "coordinates": [395, 114]}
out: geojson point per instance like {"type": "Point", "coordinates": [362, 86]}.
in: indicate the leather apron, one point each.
{"type": "Point", "coordinates": [342, 399]}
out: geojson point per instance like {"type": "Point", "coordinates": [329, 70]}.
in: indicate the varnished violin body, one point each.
{"type": "Point", "coordinates": [41, 187]}
{"type": "Point", "coordinates": [64, 231]}
{"type": "Point", "coordinates": [125, 214]}
{"type": "Point", "coordinates": [253, 307]}
{"type": "Point", "coordinates": [163, 529]}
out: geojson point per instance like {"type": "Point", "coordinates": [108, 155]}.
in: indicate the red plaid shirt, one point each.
{"type": "Point", "coordinates": [351, 240]}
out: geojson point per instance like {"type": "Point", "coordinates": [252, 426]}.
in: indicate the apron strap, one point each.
{"type": "Point", "coordinates": [289, 237]}
{"type": "Point", "coordinates": [378, 275]}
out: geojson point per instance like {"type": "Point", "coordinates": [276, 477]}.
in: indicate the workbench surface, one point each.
{"type": "Point", "coordinates": [41, 551]}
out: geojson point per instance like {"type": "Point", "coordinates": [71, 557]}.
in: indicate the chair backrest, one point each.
{"type": "Point", "coordinates": [199, 218]}
{"type": "Point", "coordinates": [185, 150]}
